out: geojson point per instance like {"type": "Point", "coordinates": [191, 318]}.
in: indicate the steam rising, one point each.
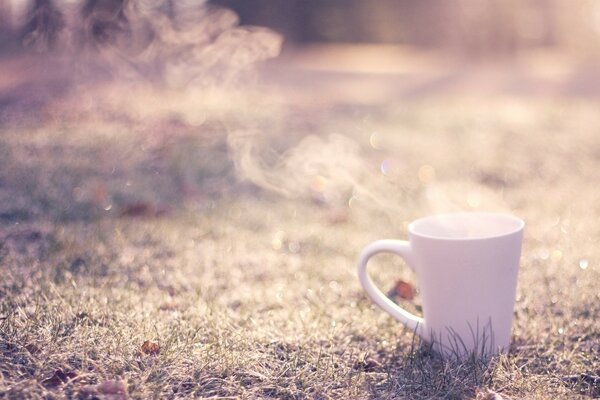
{"type": "Point", "coordinates": [174, 43]}
{"type": "Point", "coordinates": [325, 168]}
{"type": "Point", "coordinates": [330, 170]}
{"type": "Point", "coordinates": [154, 62]}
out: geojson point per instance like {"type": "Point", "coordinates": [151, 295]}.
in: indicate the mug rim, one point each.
{"type": "Point", "coordinates": [520, 224]}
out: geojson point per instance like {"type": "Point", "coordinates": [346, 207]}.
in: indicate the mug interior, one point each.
{"type": "Point", "coordinates": [466, 225]}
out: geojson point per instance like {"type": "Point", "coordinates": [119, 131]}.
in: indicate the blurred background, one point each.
{"type": "Point", "coordinates": [466, 26]}
{"type": "Point", "coordinates": [266, 93]}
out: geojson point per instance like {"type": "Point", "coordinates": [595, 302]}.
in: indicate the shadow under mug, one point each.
{"type": "Point", "coordinates": [466, 266]}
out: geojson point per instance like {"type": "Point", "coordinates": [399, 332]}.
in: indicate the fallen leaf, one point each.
{"type": "Point", "coordinates": [32, 348]}
{"type": "Point", "coordinates": [142, 209]}
{"type": "Point", "coordinates": [58, 378]}
{"type": "Point", "coordinates": [367, 364]}
{"type": "Point", "coordinates": [402, 290]}
{"type": "Point", "coordinates": [405, 290]}
{"type": "Point", "coordinates": [150, 348]}
{"type": "Point", "coordinates": [171, 306]}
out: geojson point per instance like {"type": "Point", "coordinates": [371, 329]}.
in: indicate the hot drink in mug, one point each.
{"type": "Point", "coordinates": [466, 266]}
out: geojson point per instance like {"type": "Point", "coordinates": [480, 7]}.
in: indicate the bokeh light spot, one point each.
{"type": "Point", "coordinates": [294, 247]}
{"type": "Point", "coordinates": [385, 167]}
{"type": "Point", "coordinates": [375, 141]}
{"type": "Point", "coordinates": [556, 255]}
{"type": "Point", "coordinates": [276, 244]}
{"type": "Point", "coordinates": [277, 241]}
{"type": "Point", "coordinates": [352, 201]}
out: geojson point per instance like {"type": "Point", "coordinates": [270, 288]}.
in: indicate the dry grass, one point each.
{"type": "Point", "coordinates": [116, 232]}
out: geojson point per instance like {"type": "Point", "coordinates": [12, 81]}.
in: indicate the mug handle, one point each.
{"type": "Point", "coordinates": [401, 248]}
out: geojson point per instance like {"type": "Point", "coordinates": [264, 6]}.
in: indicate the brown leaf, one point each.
{"type": "Point", "coordinates": [58, 378]}
{"type": "Point", "coordinates": [150, 348]}
{"type": "Point", "coordinates": [142, 209]}
{"type": "Point", "coordinates": [171, 306]}
{"type": "Point", "coordinates": [32, 348]}
{"type": "Point", "coordinates": [367, 364]}
{"type": "Point", "coordinates": [402, 290]}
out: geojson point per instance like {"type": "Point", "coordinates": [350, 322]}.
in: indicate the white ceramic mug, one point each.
{"type": "Point", "coordinates": [466, 266]}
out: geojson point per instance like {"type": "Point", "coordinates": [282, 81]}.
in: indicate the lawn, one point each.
{"type": "Point", "coordinates": [167, 244]}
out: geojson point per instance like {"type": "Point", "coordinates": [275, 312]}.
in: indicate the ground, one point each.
{"type": "Point", "coordinates": [160, 243]}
